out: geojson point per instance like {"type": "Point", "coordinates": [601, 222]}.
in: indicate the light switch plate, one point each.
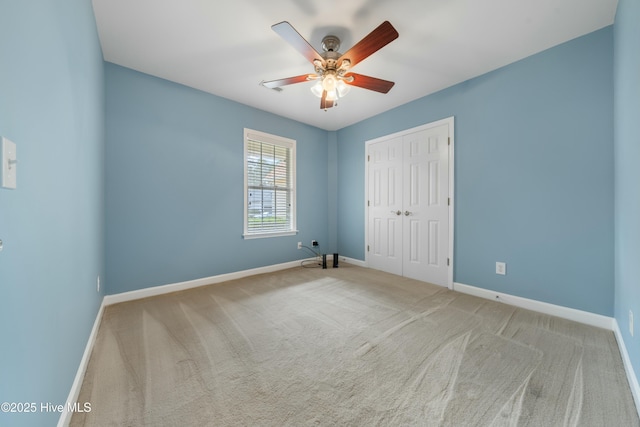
{"type": "Point", "coordinates": [9, 163]}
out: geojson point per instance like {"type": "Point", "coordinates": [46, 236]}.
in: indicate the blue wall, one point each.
{"type": "Point", "coordinates": [52, 107]}
{"type": "Point", "coordinates": [174, 179]}
{"type": "Point", "coordinates": [533, 174]}
{"type": "Point", "coordinates": [627, 178]}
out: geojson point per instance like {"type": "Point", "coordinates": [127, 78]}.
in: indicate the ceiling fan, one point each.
{"type": "Point", "coordinates": [332, 68]}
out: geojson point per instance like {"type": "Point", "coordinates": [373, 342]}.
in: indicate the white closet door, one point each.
{"type": "Point", "coordinates": [425, 205]}
{"type": "Point", "coordinates": [385, 206]}
{"type": "Point", "coordinates": [408, 209]}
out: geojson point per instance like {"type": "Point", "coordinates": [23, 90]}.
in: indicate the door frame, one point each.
{"type": "Point", "coordinates": [451, 192]}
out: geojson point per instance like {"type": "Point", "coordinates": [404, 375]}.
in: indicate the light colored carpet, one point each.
{"type": "Point", "coordinates": [348, 347]}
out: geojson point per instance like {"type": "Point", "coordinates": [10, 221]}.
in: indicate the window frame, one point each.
{"type": "Point", "coordinates": [290, 144]}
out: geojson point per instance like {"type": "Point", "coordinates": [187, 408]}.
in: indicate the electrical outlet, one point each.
{"type": "Point", "coordinates": [501, 268]}
{"type": "Point", "coordinates": [299, 245]}
{"type": "Point", "coordinates": [314, 243]}
{"type": "Point", "coordinates": [631, 322]}
{"type": "Point", "coordinates": [98, 284]}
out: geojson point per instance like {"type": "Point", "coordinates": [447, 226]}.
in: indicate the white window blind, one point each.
{"type": "Point", "coordinates": [269, 185]}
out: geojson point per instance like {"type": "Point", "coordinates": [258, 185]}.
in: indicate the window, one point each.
{"type": "Point", "coordinates": [269, 185]}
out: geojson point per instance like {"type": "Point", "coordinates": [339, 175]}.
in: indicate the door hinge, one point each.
{"type": "Point", "coordinates": [368, 203]}
{"type": "Point", "coordinates": [368, 157]}
{"type": "Point", "coordinates": [449, 201]}
{"type": "Point", "coordinates": [447, 262]}
{"type": "Point", "coordinates": [367, 248]}
{"type": "Point", "coordinates": [448, 140]}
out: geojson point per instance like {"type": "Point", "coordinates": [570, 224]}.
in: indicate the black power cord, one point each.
{"type": "Point", "coordinates": [312, 263]}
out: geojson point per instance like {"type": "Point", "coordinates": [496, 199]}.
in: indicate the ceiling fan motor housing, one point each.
{"type": "Point", "coordinates": [330, 43]}
{"type": "Point", "coordinates": [330, 46]}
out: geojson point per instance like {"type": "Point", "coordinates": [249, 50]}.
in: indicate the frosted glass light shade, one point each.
{"type": "Point", "coordinates": [329, 82]}
{"type": "Point", "coordinates": [317, 89]}
{"type": "Point", "coordinates": [342, 88]}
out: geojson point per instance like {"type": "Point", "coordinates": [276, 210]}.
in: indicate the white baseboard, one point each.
{"type": "Point", "coordinates": [628, 367]}
{"type": "Point", "coordinates": [353, 261]}
{"type": "Point", "coordinates": [65, 416]}
{"type": "Point", "coordinates": [345, 259]}
{"type": "Point", "coordinates": [539, 306]}
{"type": "Point", "coordinates": [189, 284]}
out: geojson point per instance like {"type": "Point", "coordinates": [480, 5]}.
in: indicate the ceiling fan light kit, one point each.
{"type": "Point", "coordinates": [333, 84]}
{"type": "Point", "coordinates": [332, 68]}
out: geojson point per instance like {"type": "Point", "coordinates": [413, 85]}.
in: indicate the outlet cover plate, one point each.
{"type": "Point", "coordinates": [501, 268]}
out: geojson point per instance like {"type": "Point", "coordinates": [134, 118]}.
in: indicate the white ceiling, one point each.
{"type": "Point", "coordinates": [228, 48]}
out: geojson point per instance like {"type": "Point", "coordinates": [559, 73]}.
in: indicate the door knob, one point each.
{"type": "Point", "coordinates": [407, 213]}
{"type": "Point", "coordinates": [398, 212]}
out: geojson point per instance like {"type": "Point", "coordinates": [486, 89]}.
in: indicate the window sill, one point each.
{"type": "Point", "coordinates": [265, 235]}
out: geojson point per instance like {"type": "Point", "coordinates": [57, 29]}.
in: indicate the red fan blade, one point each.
{"type": "Point", "coordinates": [324, 102]}
{"type": "Point", "coordinates": [290, 35]}
{"type": "Point", "coordinates": [374, 41]}
{"type": "Point", "coordinates": [288, 81]}
{"type": "Point", "coordinates": [371, 83]}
